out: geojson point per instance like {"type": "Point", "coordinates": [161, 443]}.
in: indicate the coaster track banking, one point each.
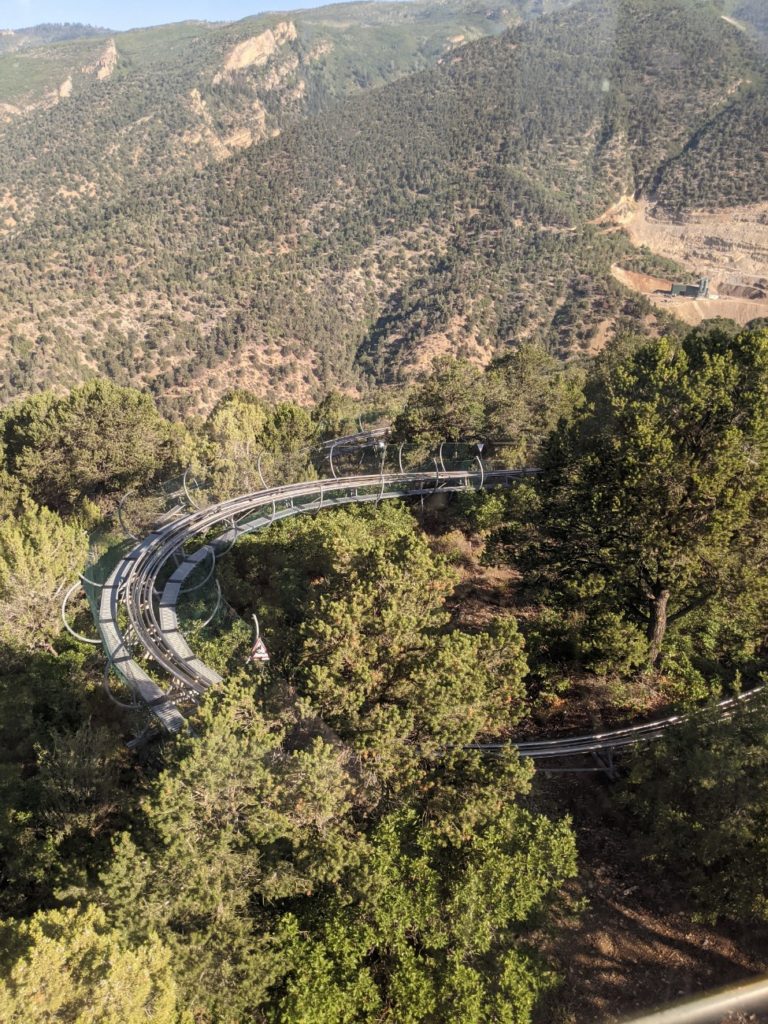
{"type": "Point", "coordinates": [152, 613]}
{"type": "Point", "coordinates": [142, 592]}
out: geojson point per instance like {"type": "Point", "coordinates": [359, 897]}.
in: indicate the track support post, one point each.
{"type": "Point", "coordinates": [604, 760]}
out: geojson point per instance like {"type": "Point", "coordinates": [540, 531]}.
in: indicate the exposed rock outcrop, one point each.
{"type": "Point", "coordinates": [105, 64]}
{"type": "Point", "coordinates": [256, 51]}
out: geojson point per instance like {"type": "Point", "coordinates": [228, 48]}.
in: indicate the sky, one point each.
{"type": "Point", "coordinates": [135, 13]}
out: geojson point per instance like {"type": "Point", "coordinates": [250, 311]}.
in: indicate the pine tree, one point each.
{"type": "Point", "coordinates": [655, 499]}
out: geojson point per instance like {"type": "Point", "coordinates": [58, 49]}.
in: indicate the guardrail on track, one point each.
{"type": "Point", "coordinates": [713, 1007]}
{"type": "Point", "coordinates": [142, 593]}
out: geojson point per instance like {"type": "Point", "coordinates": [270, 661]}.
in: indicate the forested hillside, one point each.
{"type": "Point", "coordinates": [452, 211]}
{"type": "Point", "coordinates": [82, 116]}
{"type": "Point", "coordinates": [39, 35]}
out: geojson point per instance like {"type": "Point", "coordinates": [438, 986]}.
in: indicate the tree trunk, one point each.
{"type": "Point", "coordinates": [657, 625]}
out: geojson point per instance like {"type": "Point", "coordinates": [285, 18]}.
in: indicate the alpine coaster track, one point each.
{"type": "Point", "coordinates": [138, 602]}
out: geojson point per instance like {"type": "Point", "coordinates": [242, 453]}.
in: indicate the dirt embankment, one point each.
{"type": "Point", "coordinates": [725, 244]}
{"type": "Point", "coordinates": [728, 246]}
{"type": "Point", "coordinates": [693, 311]}
{"type": "Point", "coordinates": [641, 282]}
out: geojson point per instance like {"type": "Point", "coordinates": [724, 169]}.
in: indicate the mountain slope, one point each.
{"type": "Point", "coordinates": [752, 15]}
{"type": "Point", "coordinates": [723, 164]}
{"type": "Point", "coordinates": [453, 211]}
{"type": "Point", "coordinates": [39, 35]}
{"type": "Point", "coordinates": [85, 118]}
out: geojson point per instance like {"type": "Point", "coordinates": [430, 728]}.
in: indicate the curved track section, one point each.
{"type": "Point", "coordinates": [139, 601]}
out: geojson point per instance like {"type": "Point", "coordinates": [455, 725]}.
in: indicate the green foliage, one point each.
{"type": "Point", "coordinates": [36, 66]}
{"type": "Point", "coordinates": [62, 787]}
{"type": "Point", "coordinates": [99, 440]}
{"type": "Point", "coordinates": [518, 400]}
{"type": "Point", "coordinates": [280, 571]}
{"type": "Point", "coordinates": [705, 173]}
{"type": "Point", "coordinates": [355, 616]}
{"type": "Point", "coordinates": [424, 929]}
{"type": "Point", "coordinates": [321, 844]}
{"type": "Point", "coordinates": [596, 639]}
{"type": "Point", "coordinates": [279, 888]}
{"type": "Point", "coordinates": [240, 428]}
{"type": "Point", "coordinates": [335, 415]}
{"type": "Point", "coordinates": [37, 35]}
{"type": "Point", "coordinates": [71, 799]}
{"type": "Point", "coordinates": [527, 393]}
{"type": "Point", "coordinates": [376, 670]}
{"type": "Point", "coordinates": [653, 503]}
{"type": "Point", "coordinates": [235, 824]}
{"type": "Point", "coordinates": [72, 966]}
{"type": "Point", "coordinates": [40, 556]}
{"type": "Point", "coordinates": [447, 407]}
{"type": "Point", "coordinates": [12, 493]}
{"type": "Point", "coordinates": [701, 799]}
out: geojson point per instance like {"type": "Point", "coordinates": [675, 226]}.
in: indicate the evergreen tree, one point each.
{"type": "Point", "coordinates": [70, 965]}
{"type": "Point", "coordinates": [654, 499]}
{"type": "Point", "coordinates": [426, 930]}
{"type": "Point", "coordinates": [244, 434]}
{"type": "Point", "coordinates": [447, 406]}
{"type": "Point", "coordinates": [40, 556]}
{"type": "Point", "coordinates": [98, 440]}
{"type": "Point", "coordinates": [700, 800]}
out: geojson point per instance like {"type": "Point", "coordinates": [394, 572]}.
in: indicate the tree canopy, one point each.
{"type": "Point", "coordinates": [277, 889]}
{"type": "Point", "coordinates": [98, 440]}
{"type": "Point", "coordinates": [700, 800]}
{"type": "Point", "coordinates": [71, 966]}
{"type": "Point", "coordinates": [653, 501]}
{"type": "Point", "coordinates": [325, 841]}
{"type": "Point", "coordinates": [40, 556]}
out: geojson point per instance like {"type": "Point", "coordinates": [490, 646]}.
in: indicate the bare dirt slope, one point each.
{"type": "Point", "coordinates": [692, 311]}
{"type": "Point", "coordinates": [729, 246]}
{"type": "Point", "coordinates": [644, 283]}
{"type": "Point", "coordinates": [719, 244]}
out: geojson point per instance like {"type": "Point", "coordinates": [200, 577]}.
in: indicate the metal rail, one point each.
{"type": "Point", "coordinates": [713, 1007]}
{"type": "Point", "coordinates": [132, 586]}
{"type": "Point", "coordinates": [141, 590]}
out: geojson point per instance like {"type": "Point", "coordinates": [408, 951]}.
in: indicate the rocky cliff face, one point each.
{"type": "Point", "coordinates": [105, 64]}
{"type": "Point", "coordinates": [258, 49]}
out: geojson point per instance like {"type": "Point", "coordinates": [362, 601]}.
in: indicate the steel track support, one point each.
{"type": "Point", "coordinates": [258, 470]}
{"type": "Point", "coordinates": [604, 760]}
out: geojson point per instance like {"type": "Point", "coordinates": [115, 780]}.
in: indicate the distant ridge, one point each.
{"type": "Point", "coordinates": [49, 32]}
